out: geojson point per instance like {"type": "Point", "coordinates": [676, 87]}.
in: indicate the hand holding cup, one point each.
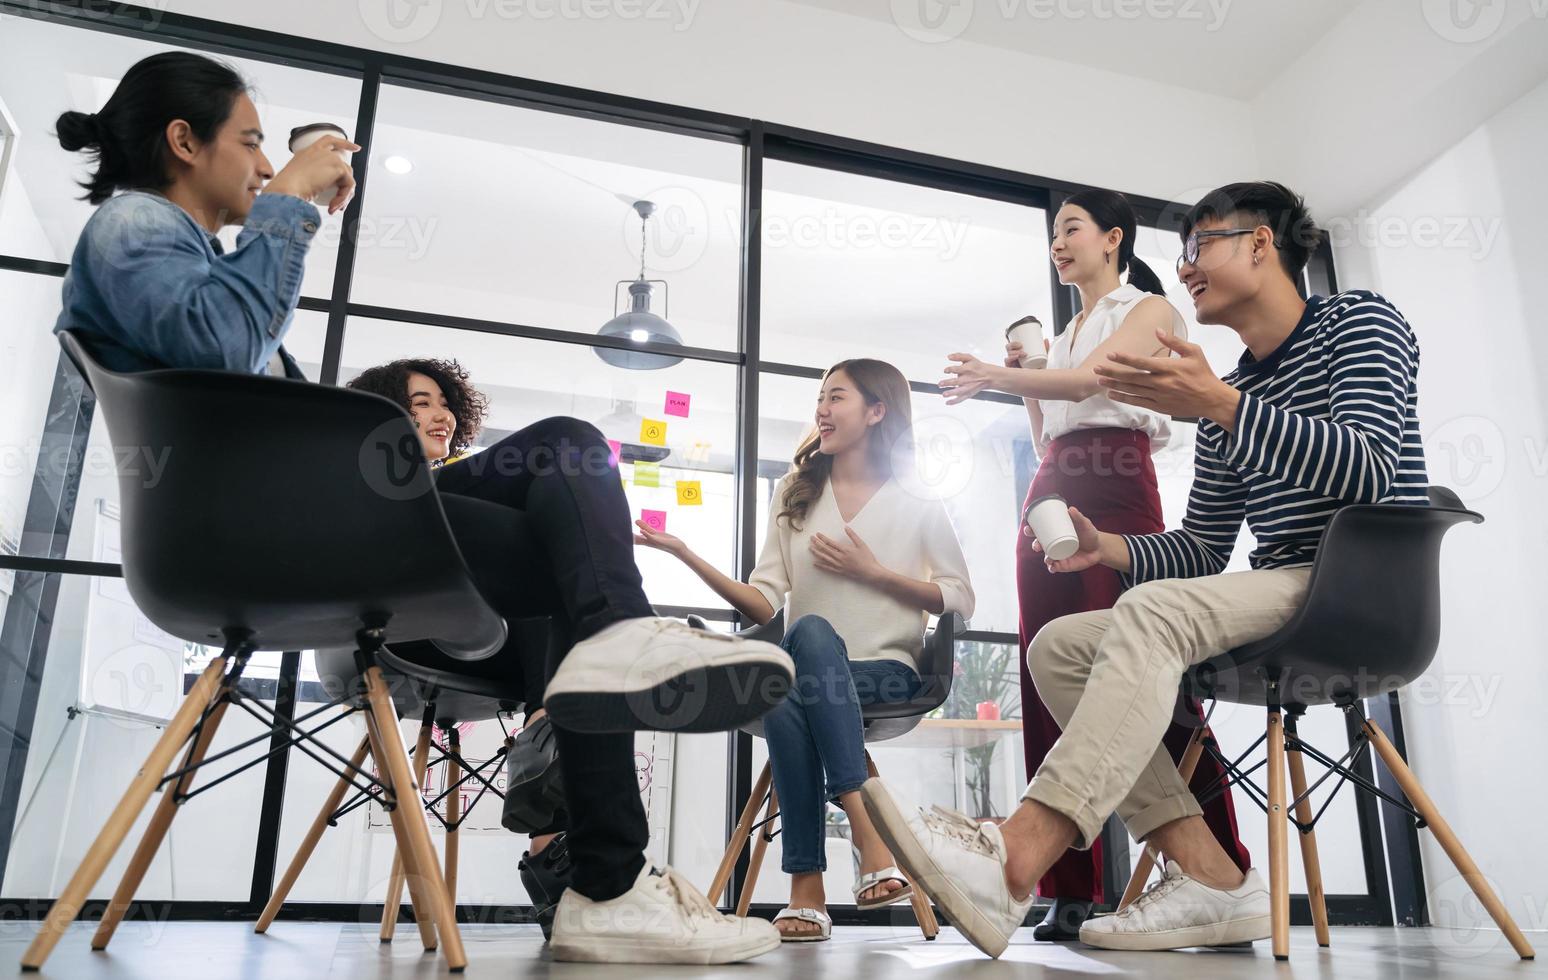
{"type": "Point", "coordinates": [319, 171]}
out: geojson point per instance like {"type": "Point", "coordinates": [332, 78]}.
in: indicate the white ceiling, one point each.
{"type": "Point", "coordinates": [1222, 47]}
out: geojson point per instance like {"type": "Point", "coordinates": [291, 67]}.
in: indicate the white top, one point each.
{"type": "Point", "coordinates": [909, 535]}
{"type": "Point", "coordinates": [1099, 411]}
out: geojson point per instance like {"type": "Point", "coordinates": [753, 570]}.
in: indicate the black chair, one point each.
{"type": "Point", "coordinates": [1370, 625]}
{"type": "Point", "coordinates": [441, 692]}
{"type": "Point", "coordinates": [288, 516]}
{"type": "Point", "coordinates": [882, 722]}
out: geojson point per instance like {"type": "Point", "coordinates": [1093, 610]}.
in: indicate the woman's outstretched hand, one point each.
{"type": "Point", "coordinates": [967, 377]}
{"type": "Point", "coordinates": [660, 540]}
{"type": "Point", "coordinates": [852, 559]}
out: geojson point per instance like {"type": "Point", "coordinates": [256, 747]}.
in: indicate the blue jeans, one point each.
{"type": "Point", "coordinates": [815, 736]}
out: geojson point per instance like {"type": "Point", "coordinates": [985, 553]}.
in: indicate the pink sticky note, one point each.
{"type": "Point", "coordinates": [614, 447]}
{"type": "Point", "coordinates": [677, 404]}
{"type": "Point", "coordinates": [656, 519]}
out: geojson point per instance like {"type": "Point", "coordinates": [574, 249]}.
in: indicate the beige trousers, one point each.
{"type": "Point", "coordinates": [1110, 680]}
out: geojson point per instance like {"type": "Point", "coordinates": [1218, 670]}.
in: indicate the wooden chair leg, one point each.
{"type": "Point", "coordinates": [401, 851]}
{"type": "Point", "coordinates": [156, 831]}
{"type": "Point", "coordinates": [755, 864]}
{"type": "Point", "coordinates": [1278, 827]}
{"type": "Point", "coordinates": [1149, 855]}
{"type": "Point", "coordinates": [68, 905]}
{"type": "Point", "coordinates": [739, 836]}
{"type": "Point", "coordinates": [453, 811]}
{"type": "Point", "coordinates": [394, 900]}
{"type": "Point", "coordinates": [309, 842]}
{"type": "Point", "coordinates": [421, 869]}
{"type": "Point", "coordinates": [1309, 858]}
{"type": "Point", "coordinates": [923, 913]}
{"type": "Point", "coordinates": [1448, 840]}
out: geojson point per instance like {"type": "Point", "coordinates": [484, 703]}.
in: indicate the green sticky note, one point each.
{"type": "Point", "coordinates": [647, 474]}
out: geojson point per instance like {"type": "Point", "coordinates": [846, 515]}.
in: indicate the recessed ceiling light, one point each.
{"type": "Point", "coordinates": [398, 165]}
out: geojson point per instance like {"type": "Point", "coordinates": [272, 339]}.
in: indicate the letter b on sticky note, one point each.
{"type": "Point", "coordinates": [653, 432]}
{"type": "Point", "coordinates": [688, 493]}
{"type": "Point", "coordinates": [654, 519]}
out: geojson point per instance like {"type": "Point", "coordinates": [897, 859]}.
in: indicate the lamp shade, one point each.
{"type": "Point", "coordinates": [639, 325]}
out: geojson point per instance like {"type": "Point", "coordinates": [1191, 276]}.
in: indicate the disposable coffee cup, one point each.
{"type": "Point", "coordinates": [1049, 519]}
{"type": "Point", "coordinates": [1030, 336]}
{"type": "Point", "coordinates": [304, 136]}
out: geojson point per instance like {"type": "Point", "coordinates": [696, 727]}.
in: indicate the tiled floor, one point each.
{"type": "Point", "coordinates": [221, 950]}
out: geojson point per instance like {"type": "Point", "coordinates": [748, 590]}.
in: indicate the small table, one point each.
{"type": "Point", "coordinates": [956, 733]}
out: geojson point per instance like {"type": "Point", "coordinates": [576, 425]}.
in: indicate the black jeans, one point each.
{"type": "Point", "coordinates": [543, 524]}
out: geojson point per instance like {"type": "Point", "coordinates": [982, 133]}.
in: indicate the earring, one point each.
{"type": "Point", "coordinates": [1256, 259]}
{"type": "Point", "coordinates": [1107, 258]}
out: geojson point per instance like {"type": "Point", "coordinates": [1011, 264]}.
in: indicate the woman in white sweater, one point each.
{"type": "Point", "coordinates": [857, 561]}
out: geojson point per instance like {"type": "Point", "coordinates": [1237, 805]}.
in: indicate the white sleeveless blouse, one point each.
{"type": "Point", "coordinates": [1099, 411]}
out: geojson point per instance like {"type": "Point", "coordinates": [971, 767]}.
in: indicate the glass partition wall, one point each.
{"type": "Point", "coordinates": [499, 223]}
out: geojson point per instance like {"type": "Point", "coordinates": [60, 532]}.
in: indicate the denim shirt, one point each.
{"type": "Point", "coordinates": [148, 287]}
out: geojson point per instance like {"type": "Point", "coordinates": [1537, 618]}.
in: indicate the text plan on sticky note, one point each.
{"type": "Point", "coordinates": [654, 519]}
{"type": "Point", "coordinates": [689, 494]}
{"type": "Point", "coordinates": [647, 474]}
{"type": "Point", "coordinates": [653, 432]}
{"type": "Point", "coordinates": [677, 403]}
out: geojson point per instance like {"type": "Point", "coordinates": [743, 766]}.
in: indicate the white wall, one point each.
{"type": "Point", "coordinates": [1459, 248]}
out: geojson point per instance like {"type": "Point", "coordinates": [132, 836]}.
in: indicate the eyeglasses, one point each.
{"type": "Point", "coordinates": [1190, 253]}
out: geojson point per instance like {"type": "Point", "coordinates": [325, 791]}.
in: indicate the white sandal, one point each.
{"type": "Point", "coordinates": [820, 919]}
{"type": "Point", "coordinates": [866, 882]}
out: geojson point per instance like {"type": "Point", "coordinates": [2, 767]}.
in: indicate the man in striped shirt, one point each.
{"type": "Point", "coordinates": [1320, 413]}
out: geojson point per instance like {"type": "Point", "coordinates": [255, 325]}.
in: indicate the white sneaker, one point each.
{"type": "Point", "coordinates": [662, 675]}
{"type": "Point", "coordinates": [1179, 911]}
{"type": "Point", "coordinates": [662, 919]}
{"type": "Point", "coordinates": [973, 891]}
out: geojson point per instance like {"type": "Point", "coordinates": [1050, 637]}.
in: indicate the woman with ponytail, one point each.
{"type": "Point", "coordinates": [178, 154]}
{"type": "Point", "coordinates": [1095, 453]}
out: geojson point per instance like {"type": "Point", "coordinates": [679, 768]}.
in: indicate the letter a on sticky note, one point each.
{"type": "Point", "coordinates": [647, 474]}
{"type": "Point", "coordinates": [688, 493]}
{"type": "Point", "coordinates": [653, 432]}
{"type": "Point", "coordinates": [677, 403]}
{"type": "Point", "coordinates": [654, 519]}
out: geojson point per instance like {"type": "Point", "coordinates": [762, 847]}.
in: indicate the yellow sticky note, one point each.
{"type": "Point", "coordinates": [653, 432]}
{"type": "Point", "coordinates": [647, 474]}
{"type": "Point", "coordinates": [688, 493]}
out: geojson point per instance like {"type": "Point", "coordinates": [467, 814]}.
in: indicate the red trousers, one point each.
{"type": "Point", "coordinates": [1107, 474]}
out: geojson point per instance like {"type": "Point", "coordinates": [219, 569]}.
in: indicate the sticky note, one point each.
{"type": "Point", "coordinates": [647, 474]}
{"type": "Point", "coordinates": [677, 404]}
{"type": "Point", "coordinates": [614, 448]}
{"type": "Point", "coordinates": [653, 432]}
{"type": "Point", "coordinates": [654, 519]}
{"type": "Point", "coordinates": [688, 493]}
{"type": "Point", "coordinates": [699, 453]}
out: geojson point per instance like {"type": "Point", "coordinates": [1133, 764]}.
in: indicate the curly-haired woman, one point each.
{"type": "Point", "coordinates": [448, 412]}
